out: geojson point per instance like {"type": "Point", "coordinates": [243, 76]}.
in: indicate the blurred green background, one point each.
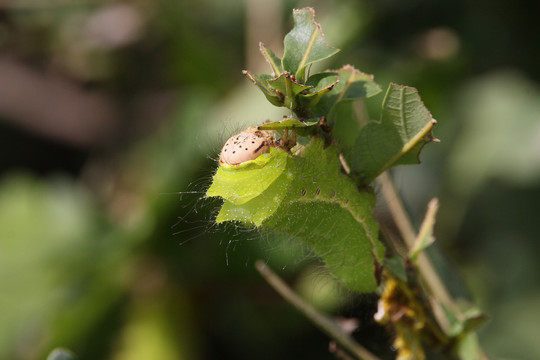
{"type": "Point", "coordinates": [108, 109]}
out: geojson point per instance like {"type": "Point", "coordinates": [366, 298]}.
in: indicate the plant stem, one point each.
{"type": "Point", "coordinates": [427, 271]}
{"type": "Point", "coordinates": [325, 323]}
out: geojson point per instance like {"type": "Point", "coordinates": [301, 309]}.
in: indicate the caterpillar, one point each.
{"type": "Point", "coordinates": [301, 192]}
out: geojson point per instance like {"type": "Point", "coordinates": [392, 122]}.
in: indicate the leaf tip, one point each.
{"type": "Point", "coordinates": [249, 76]}
{"type": "Point", "coordinates": [317, 25]}
{"type": "Point", "coordinates": [433, 138]}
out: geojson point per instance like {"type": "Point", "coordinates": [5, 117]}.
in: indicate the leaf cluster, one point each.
{"type": "Point", "coordinates": [302, 192]}
{"type": "Point", "coordinates": [317, 103]}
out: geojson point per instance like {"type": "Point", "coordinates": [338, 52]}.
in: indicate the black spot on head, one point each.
{"type": "Point", "coordinates": [234, 152]}
{"type": "Point", "coordinates": [245, 149]}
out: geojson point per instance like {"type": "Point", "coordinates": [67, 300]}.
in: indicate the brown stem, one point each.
{"type": "Point", "coordinates": [325, 323]}
{"type": "Point", "coordinates": [427, 271]}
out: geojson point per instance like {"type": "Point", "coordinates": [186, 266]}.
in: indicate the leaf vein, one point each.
{"type": "Point", "coordinates": [402, 113]}
{"type": "Point", "coordinates": [308, 50]}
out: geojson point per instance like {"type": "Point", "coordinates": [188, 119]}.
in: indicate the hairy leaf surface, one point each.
{"type": "Point", "coordinates": [240, 183]}
{"type": "Point", "coordinates": [312, 201]}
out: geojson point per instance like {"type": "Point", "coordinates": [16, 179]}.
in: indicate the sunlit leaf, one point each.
{"type": "Point", "coordinates": [310, 200]}
{"type": "Point", "coordinates": [304, 44]}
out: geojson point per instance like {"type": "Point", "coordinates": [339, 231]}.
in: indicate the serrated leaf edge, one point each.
{"type": "Point", "coordinates": [424, 132]}
{"type": "Point", "coordinates": [347, 85]}
{"type": "Point", "coordinates": [302, 64]}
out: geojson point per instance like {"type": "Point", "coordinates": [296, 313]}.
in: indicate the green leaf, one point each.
{"type": "Point", "coordinates": [239, 184]}
{"type": "Point", "coordinates": [261, 80]}
{"type": "Point", "coordinates": [309, 200]}
{"type": "Point", "coordinates": [397, 139]}
{"type": "Point", "coordinates": [466, 322]}
{"type": "Point", "coordinates": [302, 128]}
{"type": "Point", "coordinates": [425, 236]}
{"type": "Point", "coordinates": [462, 329]}
{"type": "Point", "coordinates": [335, 236]}
{"type": "Point", "coordinates": [304, 44]}
{"type": "Point", "coordinates": [288, 123]}
{"type": "Point", "coordinates": [352, 85]}
{"type": "Point", "coordinates": [288, 87]}
{"type": "Point", "coordinates": [320, 84]}
{"type": "Point", "coordinates": [259, 208]}
{"type": "Point", "coordinates": [271, 59]}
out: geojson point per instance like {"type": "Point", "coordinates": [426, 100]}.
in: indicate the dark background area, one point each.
{"type": "Point", "coordinates": [108, 109]}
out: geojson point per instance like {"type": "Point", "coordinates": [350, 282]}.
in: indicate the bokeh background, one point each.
{"type": "Point", "coordinates": [109, 109]}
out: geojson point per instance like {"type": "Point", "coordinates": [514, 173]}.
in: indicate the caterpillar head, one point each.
{"type": "Point", "coordinates": [246, 146]}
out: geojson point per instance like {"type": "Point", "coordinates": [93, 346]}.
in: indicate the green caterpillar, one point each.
{"type": "Point", "coordinates": [303, 194]}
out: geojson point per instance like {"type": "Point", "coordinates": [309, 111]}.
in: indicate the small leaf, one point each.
{"type": "Point", "coordinates": [288, 123]}
{"type": "Point", "coordinates": [320, 84]}
{"type": "Point", "coordinates": [355, 84]}
{"type": "Point", "coordinates": [425, 235]}
{"type": "Point", "coordinates": [322, 81]}
{"type": "Point", "coordinates": [469, 320]}
{"type": "Point", "coordinates": [261, 80]}
{"type": "Point", "coordinates": [271, 59]}
{"type": "Point", "coordinates": [473, 321]}
{"type": "Point", "coordinates": [397, 139]}
{"type": "Point", "coordinates": [286, 85]}
{"type": "Point", "coordinates": [352, 85]}
{"type": "Point", "coordinates": [304, 44]}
